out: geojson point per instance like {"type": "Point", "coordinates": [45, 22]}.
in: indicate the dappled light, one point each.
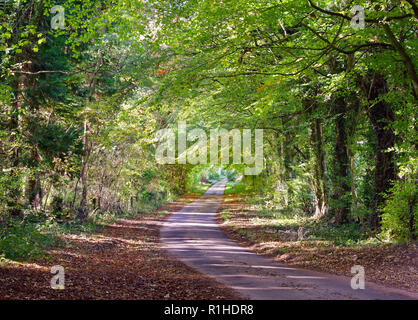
{"type": "Point", "coordinates": [193, 236]}
{"type": "Point", "coordinates": [208, 149]}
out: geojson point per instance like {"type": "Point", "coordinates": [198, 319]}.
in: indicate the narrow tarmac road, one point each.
{"type": "Point", "coordinates": [193, 236]}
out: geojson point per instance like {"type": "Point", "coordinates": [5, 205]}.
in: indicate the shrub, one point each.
{"type": "Point", "coordinates": [400, 214]}
{"type": "Point", "coordinates": [23, 239]}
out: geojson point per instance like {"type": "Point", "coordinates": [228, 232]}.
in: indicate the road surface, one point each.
{"type": "Point", "coordinates": [193, 236]}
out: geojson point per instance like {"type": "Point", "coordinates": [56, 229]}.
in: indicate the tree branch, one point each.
{"type": "Point", "coordinates": [338, 14]}
{"type": "Point", "coordinates": [44, 72]}
{"type": "Point", "coordinates": [410, 67]}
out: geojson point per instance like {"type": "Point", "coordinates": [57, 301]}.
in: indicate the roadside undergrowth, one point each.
{"type": "Point", "coordinates": [300, 241]}
{"type": "Point", "coordinates": [121, 260]}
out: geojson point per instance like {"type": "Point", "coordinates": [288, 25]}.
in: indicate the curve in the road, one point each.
{"type": "Point", "coordinates": [193, 236]}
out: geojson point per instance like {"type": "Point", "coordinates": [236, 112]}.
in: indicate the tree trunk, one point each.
{"type": "Point", "coordinates": [83, 173]}
{"type": "Point", "coordinates": [341, 163]}
{"type": "Point", "coordinates": [411, 206]}
{"type": "Point", "coordinates": [381, 116]}
{"type": "Point", "coordinates": [352, 185]}
{"type": "Point", "coordinates": [34, 189]}
{"type": "Point", "coordinates": [281, 169]}
{"type": "Point", "coordinates": [318, 182]}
